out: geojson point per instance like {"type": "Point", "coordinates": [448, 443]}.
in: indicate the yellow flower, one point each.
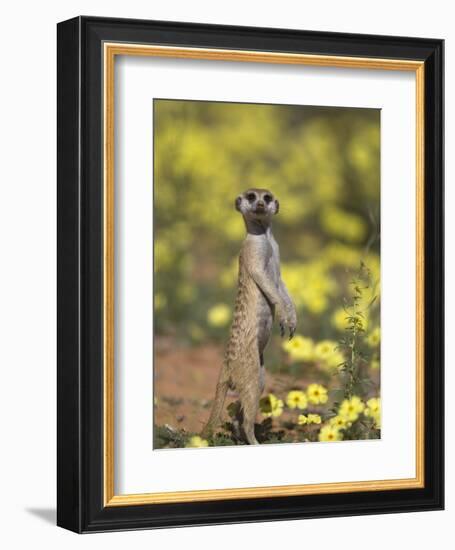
{"type": "Point", "coordinates": [219, 315]}
{"type": "Point", "coordinates": [197, 441]}
{"type": "Point", "coordinates": [375, 364]}
{"type": "Point", "coordinates": [351, 408]}
{"type": "Point", "coordinates": [343, 254]}
{"type": "Point", "coordinates": [316, 302]}
{"type": "Point", "coordinates": [299, 348]}
{"type": "Point", "coordinates": [373, 410]}
{"type": "Point", "coordinates": [317, 394]}
{"type": "Point", "coordinates": [340, 319]}
{"type": "Point", "coordinates": [340, 223]}
{"type": "Point", "coordinates": [319, 285]}
{"type": "Point", "coordinates": [330, 433]}
{"type": "Point", "coordinates": [326, 352]}
{"type": "Point", "coordinates": [324, 349]}
{"type": "Point", "coordinates": [339, 422]}
{"type": "Point", "coordinates": [296, 399]}
{"type": "Point", "coordinates": [373, 406]}
{"type": "Point", "coordinates": [374, 338]}
{"type": "Point", "coordinates": [302, 419]}
{"type": "Point", "coordinates": [335, 360]}
{"type": "Point", "coordinates": [270, 405]}
{"type": "Point", "coordinates": [314, 419]}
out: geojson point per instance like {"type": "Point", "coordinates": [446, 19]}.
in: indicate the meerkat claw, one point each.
{"type": "Point", "coordinates": [291, 333]}
{"type": "Point", "coordinates": [282, 330]}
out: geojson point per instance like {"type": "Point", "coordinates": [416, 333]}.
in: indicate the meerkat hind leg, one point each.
{"type": "Point", "coordinates": [237, 423]}
{"type": "Point", "coordinates": [218, 402]}
{"type": "Point", "coordinates": [250, 391]}
{"type": "Point", "coordinates": [250, 405]}
{"type": "Point", "coordinates": [249, 400]}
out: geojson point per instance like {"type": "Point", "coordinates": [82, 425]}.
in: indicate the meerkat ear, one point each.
{"type": "Point", "coordinates": [238, 202]}
{"type": "Point", "coordinates": [277, 206]}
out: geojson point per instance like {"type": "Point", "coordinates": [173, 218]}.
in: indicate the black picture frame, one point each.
{"type": "Point", "coordinates": [80, 474]}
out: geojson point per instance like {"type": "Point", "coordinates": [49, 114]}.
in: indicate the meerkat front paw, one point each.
{"type": "Point", "coordinates": [292, 331]}
{"type": "Point", "coordinates": [292, 323]}
{"type": "Point", "coordinates": [286, 325]}
{"type": "Point", "coordinates": [287, 319]}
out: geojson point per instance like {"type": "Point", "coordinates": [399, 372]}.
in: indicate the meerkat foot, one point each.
{"type": "Point", "coordinates": [248, 430]}
{"type": "Point", "coordinates": [236, 431]}
{"type": "Point", "coordinates": [250, 437]}
{"type": "Point", "coordinates": [206, 432]}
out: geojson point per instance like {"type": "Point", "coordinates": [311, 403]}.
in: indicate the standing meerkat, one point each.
{"type": "Point", "coordinates": [261, 296]}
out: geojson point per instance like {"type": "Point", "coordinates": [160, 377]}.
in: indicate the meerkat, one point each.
{"type": "Point", "coordinates": [261, 297]}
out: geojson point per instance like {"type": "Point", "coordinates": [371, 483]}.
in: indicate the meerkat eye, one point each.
{"type": "Point", "coordinates": [251, 197]}
{"type": "Point", "coordinates": [268, 198]}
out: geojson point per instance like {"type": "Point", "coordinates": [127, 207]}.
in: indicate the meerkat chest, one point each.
{"type": "Point", "coordinates": [260, 252]}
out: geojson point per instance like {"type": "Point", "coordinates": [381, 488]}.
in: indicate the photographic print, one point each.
{"type": "Point", "coordinates": [250, 264]}
{"type": "Point", "coordinates": [267, 274]}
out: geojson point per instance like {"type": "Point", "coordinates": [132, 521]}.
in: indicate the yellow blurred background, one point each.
{"type": "Point", "coordinates": [323, 164]}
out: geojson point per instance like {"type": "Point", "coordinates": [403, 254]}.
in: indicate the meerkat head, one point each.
{"type": "Point", "coordinates": [257, 204]}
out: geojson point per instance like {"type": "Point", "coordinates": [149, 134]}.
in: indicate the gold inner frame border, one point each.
{"type": "Point", "coordinates": [110, 51]}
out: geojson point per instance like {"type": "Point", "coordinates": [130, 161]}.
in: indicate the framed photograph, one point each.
{"type": "Point", "coordinates": [250, 274]}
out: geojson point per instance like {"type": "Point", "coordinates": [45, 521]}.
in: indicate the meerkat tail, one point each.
{"type": "Point", "coordinates": [217, 407]}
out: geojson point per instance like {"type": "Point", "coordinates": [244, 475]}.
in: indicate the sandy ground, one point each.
{"type": "Point", "coordinates": [185, 381]}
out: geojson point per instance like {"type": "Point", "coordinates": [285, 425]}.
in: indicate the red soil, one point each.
{"type": "Point", "coordinates": [185, 381]}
